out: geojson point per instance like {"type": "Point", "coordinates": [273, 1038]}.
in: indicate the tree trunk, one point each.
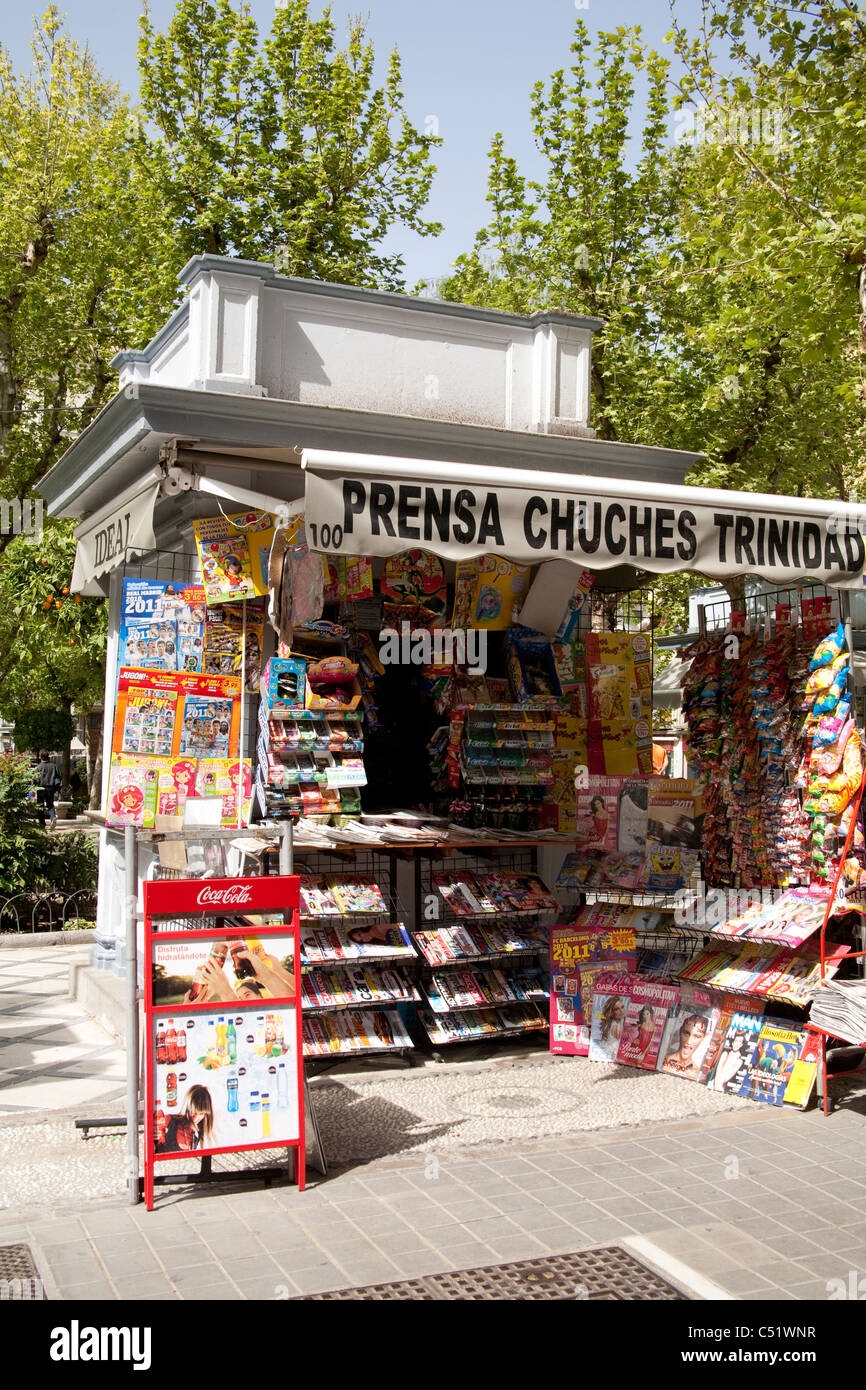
{"type": "Point", "coordinates": [95, 780]}
{"type": "Point", "coordinates": [65, 794]}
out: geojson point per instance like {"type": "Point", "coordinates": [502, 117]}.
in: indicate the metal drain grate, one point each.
{"type": "Point", "coordinates": [19, 1277]}
{"type": "Point", "coordinates": [589, 1275]}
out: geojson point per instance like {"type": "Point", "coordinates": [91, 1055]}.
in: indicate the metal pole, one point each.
{"type": "Point", "coordinates": [286, 847]}
{"type": "Point", "coordinates": [130, 857]}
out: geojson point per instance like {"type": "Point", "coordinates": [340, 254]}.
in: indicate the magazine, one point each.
{"type": "Point", "coordinates": [731, 1004]}
{"type": "Point", "coordinates": [688, 1032]}
{"type": "Point", "coordinates": [233, 552]}
{"type": "Point", "coordinates": [337, 944]}
{"type": "Point", "coordinates": [610, 1003]}
{"type": "Point", "coordinates": [644, 1022]}
{"type": "Point", "coordinates": [595, 937]}
{"type": "Point", "coordinates": [776, 1051]}
{"type": "Point", "coordinates": [161, 625]}
{"type": "Point", "coordinates": [734, 1057]}
{"type": "Point", "coordinates": [602, 804]}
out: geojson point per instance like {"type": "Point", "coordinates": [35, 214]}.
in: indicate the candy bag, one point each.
{"type": "Point", "coordinates": [829, 649]}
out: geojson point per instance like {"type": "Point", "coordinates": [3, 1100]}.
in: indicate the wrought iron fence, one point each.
{"type": "Point", "coordinates": [38, 912]}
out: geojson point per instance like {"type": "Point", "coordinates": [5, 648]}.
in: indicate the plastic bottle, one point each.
{"type": "Point", "coordinates": [181, 1044]}
{"type": "Point", "coordinates": [232, 1041]}
{"type": "Point", "coordinates": [222, 1049]}
{"type": "Point", "coordinates": [171, 1090]}
{"type": "Point", "coordinates": [160, 1043]}
{"type": "Point", "coordinates": [232, 1091]}
{"type": "Point", "coordinates": [171, 1044]}
{"type": "Point", "coordinates": [266, 1115]}
{"type": "Point", "coordinates": [282, 1087]}
{"type": "Point", "coordinates": [255, 1101]}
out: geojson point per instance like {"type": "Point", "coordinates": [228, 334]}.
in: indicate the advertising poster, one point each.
{"type": "Point", "coordinates": [224, 641]}
{"type": "Point", "coordinates": [165, 714]}
{"type": "Point", "coordinates": [486, 591]}
{"type": "Point", "coordinates": [414, 588]}
{"type": "Point", "coordinates": [225, 1078]}
{"type": "Point", "coordinates": [161, 625]}
{"type": "Point", "coordinates": [233, 552]}
{"type": "Point", "coordinates": [224, 970]}
{"type": "Point", "coordinates": [619, 675]}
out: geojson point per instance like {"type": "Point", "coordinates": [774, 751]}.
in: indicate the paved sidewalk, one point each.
{"type": "Point", "coordinates": [53, 1055]}
{"type": "Point", "coordinates": [765, 1205]}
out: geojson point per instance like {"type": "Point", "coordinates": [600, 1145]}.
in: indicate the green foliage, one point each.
{"type": "Point", "coordinates": [52, 643]}
{"type": "Point", "coordinates": [87, 259]}
{"type": "Point", "coordinates": [36, 729]}
{"type": "Point", "coordinates": [21, 841]}
{"type": "Point", "coordinates": [32, 860]}
{"type": "Point", "coordinates": [729, 270]}
{"type": "Point", "coordinates": [281, 149]}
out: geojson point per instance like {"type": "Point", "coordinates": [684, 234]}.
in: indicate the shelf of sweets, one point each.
{"type": "Point", "coordinates": [341, 716]}
{"type": "Point", "coordinates": [460, 945]}
{"type": "Point", "coordinates": [349, 1033]}
{"type": "Point", "coordinates": [526, 988]}
{"type": "Point", "coordinates": [326, 990]}
{"type": "Point", "coordinates": [483, 1023]}
{"type": "Point", "coordinates": [525, 777]}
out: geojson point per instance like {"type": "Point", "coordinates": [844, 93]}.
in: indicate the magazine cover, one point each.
{"type": "Point", "coordinates": [731, 1004]}
{"type": "Point", "coordinates": [219, 777]}
{"type": "Point", "coordinates": [160, 624]}
{"type": "Point", "coordinates": [233, 552]}
{"type": "Point", "coordinates": [597, 805]}
{"type": "Point", "coordinates": [805, 1071]}
{"type": "Point", "coordinates": [167, 713]}
{"type": "Point", "coordinates": [132, 791]}
{"type": "Point", "coordinates": [733, 1058]}
{"type": "Point", "coordinates": [644, 1023]}
{"type": "Point", "coordinates": [688, 1031]}
{"type": "Point", "coordinates": [609, 1008]}
{"type": "Point", "coordinates": [776, 1052]}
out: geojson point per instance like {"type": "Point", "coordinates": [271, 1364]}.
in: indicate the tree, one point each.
{"type": "Point", "coordinates": [87, 260]}
{"type": "Point", "coordinates": [283, 149]}
{"type": "Point", "coordinates": [52, 643]}
{"type": "Point", "coordinates": [728, 324]}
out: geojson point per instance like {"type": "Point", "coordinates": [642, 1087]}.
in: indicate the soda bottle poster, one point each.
{"type": "Point", "coordinates": [226, 971]}
{"type": "Point", "coordinates": [224, 1078]}
{"type": "Point", "coordinates": [161, 625]}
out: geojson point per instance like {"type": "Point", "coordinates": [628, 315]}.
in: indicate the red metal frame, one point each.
{"type": "Point", "coordinates": [189, 897]}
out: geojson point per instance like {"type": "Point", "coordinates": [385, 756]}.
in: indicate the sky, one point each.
{"type": "Point", "coordinates": [467, 64]}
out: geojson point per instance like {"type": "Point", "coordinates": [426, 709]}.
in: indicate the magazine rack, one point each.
{"type": "Point", "coordinates": [229, 1078]}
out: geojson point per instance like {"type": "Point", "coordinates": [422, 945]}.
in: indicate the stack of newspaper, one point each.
{"type": "Point", "coordinates": [840, 1008]}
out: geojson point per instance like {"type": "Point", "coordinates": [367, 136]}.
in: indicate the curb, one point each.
{"type": "Point", "coordinates": [14, 940]}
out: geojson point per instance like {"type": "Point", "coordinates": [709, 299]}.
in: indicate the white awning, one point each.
{"type": "Point", "coordinates": [364, 504]}
{"type": "Point", "coordinates": [115, 535]}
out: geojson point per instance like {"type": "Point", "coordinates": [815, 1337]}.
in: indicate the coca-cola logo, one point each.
{"type": "Point", "coordinates": [237, 894]}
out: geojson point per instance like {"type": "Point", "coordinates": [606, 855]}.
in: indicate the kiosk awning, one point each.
{"type": "Point", "coordinates": [114, 535]}
{"type": "Point", "coordinates": [361, 504]}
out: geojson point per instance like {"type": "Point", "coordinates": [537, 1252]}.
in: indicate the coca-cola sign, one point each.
{"type": "Point", "coordinates": [235, 895]}
{"type": "Point", "coordinates": [179, 896]}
